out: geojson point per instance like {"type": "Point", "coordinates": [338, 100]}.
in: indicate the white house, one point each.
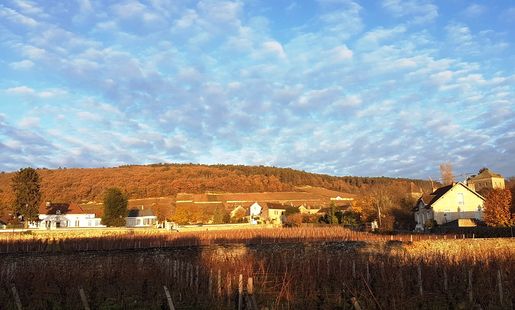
{"type": "Point", "coordinates": [65, 215]}
{"type": "Point", "coordinates": [447, 204]}
{"type": "Point", "coordinates": [255, 213]}
{"type": "Point", "coordinates": [141, 217]}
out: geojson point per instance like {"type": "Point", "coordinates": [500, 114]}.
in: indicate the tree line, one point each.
{"type": "Point", "coordinates": [384, 199]}
{"type": "Point", "coordinates": [79, 185]}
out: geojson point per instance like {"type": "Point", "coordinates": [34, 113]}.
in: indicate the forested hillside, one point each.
{"type": "Point", "coordinates": [79, 185]}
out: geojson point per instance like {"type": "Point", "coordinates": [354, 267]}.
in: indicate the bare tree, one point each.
{"type": "Point", "coordinates": [446, 173]}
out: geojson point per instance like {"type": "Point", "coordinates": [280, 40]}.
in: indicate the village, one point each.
{"type": "Point", "coordinates": [456, 205]}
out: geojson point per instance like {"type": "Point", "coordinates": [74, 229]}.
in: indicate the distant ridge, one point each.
{"type": "Point", "coordinates": [159, 180]}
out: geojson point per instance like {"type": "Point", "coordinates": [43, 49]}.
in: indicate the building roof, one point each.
{"type": "Point", "coordinates": [485, 173]}
{"type": "Point", "coordinates": [277, 206]}
{"type": "Point", "coordinates": [138, 212]}
{"type": "Point", "coordinates": [429, 199]}
{"type": "Point", "coordinates": [51, 208]}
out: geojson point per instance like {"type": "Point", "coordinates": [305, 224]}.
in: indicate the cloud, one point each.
{"type": "Point", "coordinates": [274, 48]}
{"type": "Point", "coordinates": [20, 90]}
{"type": "Point", "coordinates": [419, 11]}
{"type": "Point", "coordinates": [16, 17]}
{"type": "Point", "coordinates": [22, 64]}
{"type": "Point", "coordinates": [27, 91]}
{"type": "Point", "coordinates": [30, 122]}
{"type": "Point", "coordinates": [474, 10]}
{"type": "Point", "coordinates": [228, 81]}
{"type": "Point", "coordinates": [373, 38]}
{"type": "Point", "coordinates": [340, 53]}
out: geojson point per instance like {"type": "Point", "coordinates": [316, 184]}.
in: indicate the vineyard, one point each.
{"type": "Point", "coordinates": [315, 268]}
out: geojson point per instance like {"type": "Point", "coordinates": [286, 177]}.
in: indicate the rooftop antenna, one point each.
{"type": "Point", "coordinates": [465, 176]}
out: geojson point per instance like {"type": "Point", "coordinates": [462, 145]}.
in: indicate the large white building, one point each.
{"type": "Point", "coordinates": [65, 215]}
{"type": "Point", "coordinates": [141, 217]}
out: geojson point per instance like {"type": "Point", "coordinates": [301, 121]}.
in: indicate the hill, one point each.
{"type": "Point", "coordinates": [158, 180]}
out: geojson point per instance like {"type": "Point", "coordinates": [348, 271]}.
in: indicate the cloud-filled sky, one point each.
{"type": "Point", "coordinates": [332, 86]}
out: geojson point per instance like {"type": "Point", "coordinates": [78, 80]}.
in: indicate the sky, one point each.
{"type": "Point", "coordinates": [366, 88]}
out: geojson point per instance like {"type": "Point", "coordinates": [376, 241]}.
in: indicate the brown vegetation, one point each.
{"type": "Point", "coordinates": [498, 203]}
{"type": "Point", "coordinates": [290, 268]}
{"type": "Point", "coordinates": [80, 185]}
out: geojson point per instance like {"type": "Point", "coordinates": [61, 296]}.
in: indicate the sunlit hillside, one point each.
{"type": "Point", "coordinates": [84, 185]}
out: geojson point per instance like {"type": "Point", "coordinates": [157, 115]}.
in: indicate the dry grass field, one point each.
{"type": "Point", "coordinates": [302, 268]}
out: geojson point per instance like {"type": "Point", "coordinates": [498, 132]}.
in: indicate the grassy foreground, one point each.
{"type": "Point", "coordinates": [324, 268]}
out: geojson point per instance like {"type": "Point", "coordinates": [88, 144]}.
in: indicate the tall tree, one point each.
{"type": "Point", "coordinates": [26, 186]}
{"type": "Point", "coordinates": [221, 216]}
{"type": "Point", "coordinates": [446, 173]}
{"type": "Point", "coordinates": [115, 207]}
{"type": "Point", "coordinates": [497, 208]}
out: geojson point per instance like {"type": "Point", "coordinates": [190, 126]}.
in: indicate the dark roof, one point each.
{"type": "Point", "coordinates": [439, 192]}
{"type": "Point", "coordinates": [485, 173]}
{"type": "Point", "coordinates": [51, 208]}
{"type": "Point", "coordinates": [138, 212]}
{"type": "Point", "coordinates": [429, 199]}
{"type": "Point", "coordinates": [272, 205]}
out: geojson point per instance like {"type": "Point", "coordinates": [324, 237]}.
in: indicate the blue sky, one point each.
{"type": "Point", "coordinates": [340, 87]}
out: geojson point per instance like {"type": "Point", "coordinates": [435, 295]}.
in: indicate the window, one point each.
{"type": "Point", "coordinates": [460, 199]}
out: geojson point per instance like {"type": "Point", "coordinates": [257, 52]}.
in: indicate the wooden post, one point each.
{"type": "Point", "coordinates": [84, 299]}
{"type": "Point", "coordinates": [445, 281]}
{"type": "Point", "coordinates": [250, 286]}
{"type": "Point", "coordinates": [368, 273]}
{"type": "Point", "coordinates": [240, 291]}
{"type": "Point", "coordinates": [168, 269]}
{"type": "Point", "coordinates": [210, 283]}
{"type": "Point", "coordinates": [190, 267]}
{"type": "Point", "coordinates": [499, 285]}
{"type": "Point", "coordinates": [174, 270]}
{"type": "Point", "coordinates": [16, 297]}
{"type": "Point", "coordinates": [355, 303]}
{"type": "Point", "coordinates": [420, 289]}
{"type": "Point", "coordinates": [251, 301]}
{"type": "Point", "coordinates": [219, 284]}
{"type": "Point", "coordinates": [228, 287]}
{"type": "Point", "coordinates": [168, 298]}
{"type": "Point", "coordinates": [196, 279]}
{"type": "Point", "coordinates": [401, 282]}
{"type": "Point", "coordinates": [471, 291]}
